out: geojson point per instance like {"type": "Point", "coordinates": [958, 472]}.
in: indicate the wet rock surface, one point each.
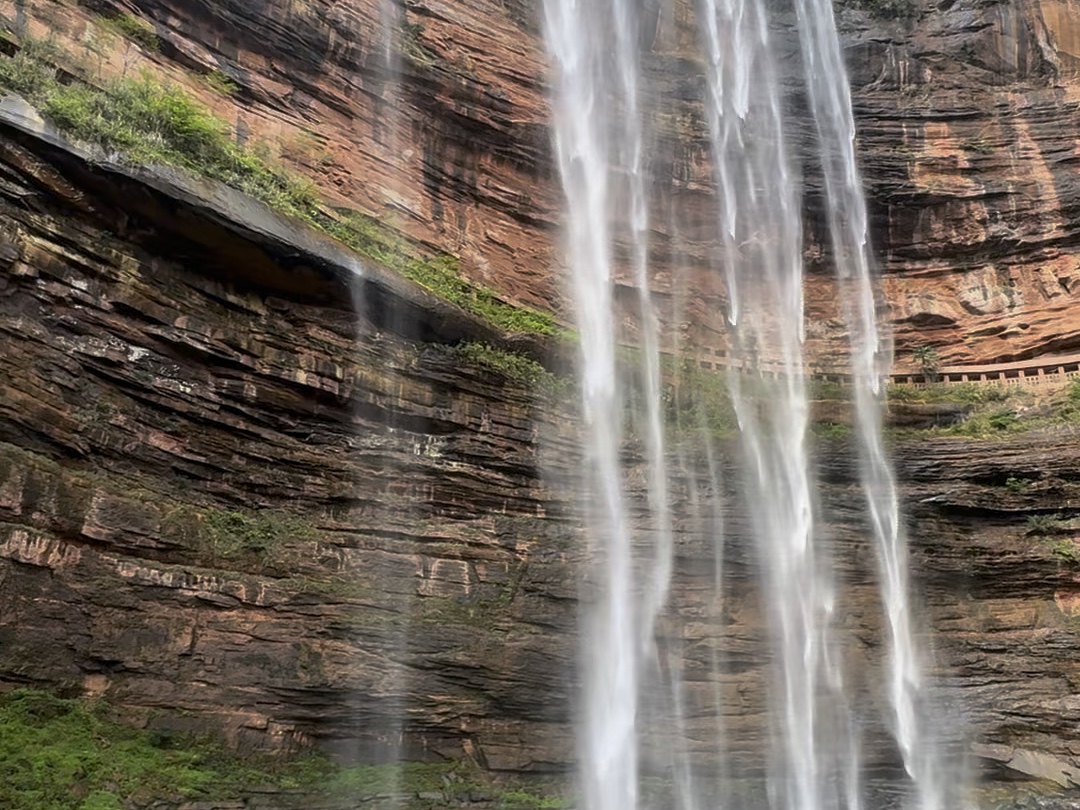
{"type": "Point", "coordinates": [173, 380]}
{"type": "Point", "coordinates": [153, 416]}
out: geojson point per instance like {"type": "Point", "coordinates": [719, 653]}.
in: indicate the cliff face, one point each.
{"type": "Point", "coordinates": [237, 481]}
{"type": "Point", "coordinates": [260, 508]}
{"type": "Point", "coordinates": [225, 490]}
{"type": "Point", "coordinates": [966, 114]}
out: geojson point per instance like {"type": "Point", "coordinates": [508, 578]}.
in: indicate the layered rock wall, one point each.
{"type": "Point", "coordinates": [238, 483]}
{"type": "Point", "coordinates": [432, 116]}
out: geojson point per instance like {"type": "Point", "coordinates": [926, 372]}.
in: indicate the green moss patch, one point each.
{"type": "Point", "coordinates": [513, 366]}
{"type": "Point", "coordinates": [59, 754]}
{"type": "Point", "coordinates": [221, 536]}
{"type": "Point", "coordinates": [64, 754]}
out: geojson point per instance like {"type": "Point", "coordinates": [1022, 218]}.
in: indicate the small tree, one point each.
{"type": "Point", "coordinates": [928, 360]}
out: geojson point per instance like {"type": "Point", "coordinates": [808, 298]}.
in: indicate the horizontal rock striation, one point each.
{"type": "Point", "coordinates": [226, 494]}
{"type": "Point", "coordinates": [241, 479]}
{"type": "Point", "coordinates": [966, 115]}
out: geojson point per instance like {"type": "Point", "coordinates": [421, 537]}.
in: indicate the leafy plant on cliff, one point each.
{"type": "Point", "coordinates": [146, 121]}
{"type": "Point", "coordinates": [221, 83]}
{"type": "Point", "coordinates": [224, 535]}
{"type": "Point", "coordinates": [58, 754]}
{"type": "Point", "coordinates": [133, 28]}
{"type": "Point", "coordinates": [1044, 524]}
{"type": "Point", "coordinates": [67, 754]}
{"type": "Point", "coordinates": [928, 361]}
{"type": "Point", "coordinates": [412, 44]}
{"type": "Point", "coordinates": [511, 365]}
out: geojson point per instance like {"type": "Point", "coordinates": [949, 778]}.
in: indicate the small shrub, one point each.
{"type": "Point", "coordinates": [221, 536]}
{"type": "Point", "coordinates": [1017, 485]}
{"type": "Point", "coordinates": [135, 29]}
{"type": "Point", "coordinates": [1066, 551]}
{"type": "Point", "coordinates": [412, 45]}
{"type": "Point", "coordinates": [1003, 419]}
{"type": "Point", "coordinates": [513, 366]}
{"type": "Point", "coordinates": [1043, 524]}
{"type": "Point", "coordinates": [928, 361]}
{"type": "Point", "coordinates": [221, 83]}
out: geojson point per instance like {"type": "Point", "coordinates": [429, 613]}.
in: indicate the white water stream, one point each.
{"type": "Point", "coordinates": [597, 48]}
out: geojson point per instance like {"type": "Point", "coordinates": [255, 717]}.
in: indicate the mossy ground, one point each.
{"type": "Point", "coordinates": [67, 754]}
{"type": "Point", "coordinates": [63, 754]}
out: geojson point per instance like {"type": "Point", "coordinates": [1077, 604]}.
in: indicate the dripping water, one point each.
{"type": "Point", "coordinates": [600, 148]}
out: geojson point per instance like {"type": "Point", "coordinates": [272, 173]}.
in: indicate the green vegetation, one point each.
{"type": "Point", "coordinates": [513, 366]}
{"type": "Point", "coordinates": [829, 389]}
{"type": "Point", "coordinates": [431, 785]}
{"type": "Point", "coordinates": [979, 145]}
{"type": "Point", "coordinates": [1066, 551]}
{"type": "Point", "coordinates": [64, 754]}
{"type": "Point", "coordinates": [59, 754]}
{"type": "Point", "coordinates": [928, 360]}
{"type": "Point", "coordinates": [1043, 524]}
{"type": "Point", "coordinates": [995, 410]}
{"type": "Point", "coordinates": [221, 84]}
{"type": "Point", "coordinates": [219, 535]}
{"type": "Point", "coordinates": [412, 45]}
{"type": "Point", "coordinates": [1017, 485]}
{"type": "Point", "coordinates": [150, 122]}
{"type": "Point", "coordinates": [830, 431]}
{"type": "Point", "coordinates": [987, 423]}
{"type": "Point", "coordinates": [960, 393]}
{"type": "Point", "coordinates": [440, 274]}
{"type": "Point", "coordinates": [697, 400]}
{"type": "Point", "coordinates": [134, 29]}
{"type": "Point", "coordinates": [990, 411]}
{"type": "Point", "coordinates": [1068, 407]}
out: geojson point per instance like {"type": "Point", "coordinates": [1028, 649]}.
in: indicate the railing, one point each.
{"type": "Point", "coordinates": [1041, 371]}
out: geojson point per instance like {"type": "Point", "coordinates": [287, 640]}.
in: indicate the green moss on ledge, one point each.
{"type": "Point", "coordinates": [147, 122]}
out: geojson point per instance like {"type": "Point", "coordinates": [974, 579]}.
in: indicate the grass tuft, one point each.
{"type": "Point", "coordinates": [513, 366]}
{"type": "Point", "coordinates": [221, 535]}
{"type": "Point", "coordinates": [133, 28]}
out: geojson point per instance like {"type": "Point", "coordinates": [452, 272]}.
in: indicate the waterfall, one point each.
{"type": "Point", "coordinates": [600, 147]}
{"type": "Point", "coordinates": [871, 357]}
{"type": "Point", "coordinates": [601, 112]}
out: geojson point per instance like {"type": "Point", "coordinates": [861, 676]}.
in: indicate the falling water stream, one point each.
{"type": "Point", "coordinates": [601, 114]}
